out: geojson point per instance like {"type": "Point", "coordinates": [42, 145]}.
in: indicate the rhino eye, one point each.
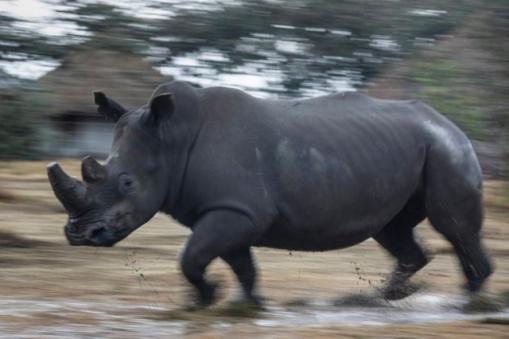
{"type": "Point", "coordinates": [126, 184]}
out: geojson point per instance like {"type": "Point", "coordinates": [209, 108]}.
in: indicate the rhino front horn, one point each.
{"type": "Point", "coordinates": [69, 191]}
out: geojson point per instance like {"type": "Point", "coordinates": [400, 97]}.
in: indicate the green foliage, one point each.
{"type": "Point", "coordinates": [447, 87]}
{"type": "Point", "coordinates": [19, 133]}
{"type": "Point", "coordinates": [374, 34]}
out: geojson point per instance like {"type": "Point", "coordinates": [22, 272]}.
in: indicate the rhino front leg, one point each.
{"type": "Point", "coordinates": [216, 234]}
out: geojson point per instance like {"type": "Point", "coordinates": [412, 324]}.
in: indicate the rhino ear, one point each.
{"type": "Point", "coordinates": [108, 107]}
{"type": "Point", "coordinates": [161, 107]}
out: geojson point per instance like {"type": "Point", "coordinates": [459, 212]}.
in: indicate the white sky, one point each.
{"type": "Point", "coordinates": [26, 9]}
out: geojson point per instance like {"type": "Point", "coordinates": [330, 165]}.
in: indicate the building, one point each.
{"type": "Point", "coordinates": [76, 129]}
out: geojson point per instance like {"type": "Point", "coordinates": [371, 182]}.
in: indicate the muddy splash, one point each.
{"type": "Point", "coordinates": [416, 309]}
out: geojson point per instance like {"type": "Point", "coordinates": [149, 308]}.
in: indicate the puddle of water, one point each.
{"type": "Point", "coordinates": [115, 319]}
{"type": "Point", "coordinates": [418, 308]}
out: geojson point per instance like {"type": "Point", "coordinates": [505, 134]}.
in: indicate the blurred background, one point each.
{"type": "Point", "coordinates": [454, 55]}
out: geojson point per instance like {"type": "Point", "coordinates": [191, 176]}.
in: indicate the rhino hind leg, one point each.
{"type": "Point", "coordinates": [399, 240]}
{"type": "Point", "coordinates": [219, 233]}
{"type": "Point", "coordinates": [460, 223]}
{"type": "Point", "coordinates": [454, 207]}
{"type": "Point", "coordinates": [242, 264]}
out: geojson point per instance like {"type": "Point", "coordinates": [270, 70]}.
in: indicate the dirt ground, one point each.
{"type": "Point", "coordinates": [50, 289]}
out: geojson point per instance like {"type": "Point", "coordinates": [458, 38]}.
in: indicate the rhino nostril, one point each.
{"type": "Point", "coordinates": [97, 232]}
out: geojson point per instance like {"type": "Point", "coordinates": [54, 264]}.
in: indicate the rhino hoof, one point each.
{"type": "Point", "coordinates": [207, 295]}
{"type": "Point", "coordinates": [251, 301]}
{"type": "Point", "coordinates": [400, 291]}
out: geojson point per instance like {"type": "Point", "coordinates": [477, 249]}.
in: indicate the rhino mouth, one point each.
{"type": "Point", "coordinates": [76, 239]}
{"type": "Point", "coordinates": [97, 234]}
{"type": "Point", "coordinates": [94, 235]}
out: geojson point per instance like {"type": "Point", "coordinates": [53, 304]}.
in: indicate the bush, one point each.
{"type": "Point", "coordinates": [20, 124]}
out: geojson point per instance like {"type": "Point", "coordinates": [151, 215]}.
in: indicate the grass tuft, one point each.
{"type": "Point", "coordinates": [483, 304]}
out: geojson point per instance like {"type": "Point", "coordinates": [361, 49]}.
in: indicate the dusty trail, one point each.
{"type": "Point", "coordinates": [49, 289]}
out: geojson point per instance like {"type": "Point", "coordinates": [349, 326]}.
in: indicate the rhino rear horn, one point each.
{"type": "Point", "coordinates": [92, 171]}
{"type": "Point", "coordinates": [108, 107]}
{"type": "Point", "coordinates": [69, 191]}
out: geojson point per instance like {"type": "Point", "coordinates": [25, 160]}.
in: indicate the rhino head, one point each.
{"type": "Point", "coordinates": [117, 197]}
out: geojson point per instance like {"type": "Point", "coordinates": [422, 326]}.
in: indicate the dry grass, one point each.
{"type": "Point", "coordinates": [496, 194]}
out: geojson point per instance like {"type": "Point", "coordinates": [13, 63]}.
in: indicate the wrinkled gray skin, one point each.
{"type": "Point", "coordinates": [311, 175]}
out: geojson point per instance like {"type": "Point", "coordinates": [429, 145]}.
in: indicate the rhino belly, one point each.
{"type": "Point", "coordinates": [321, 235]}
{"type": "Point", "coordinates": [316, 213]}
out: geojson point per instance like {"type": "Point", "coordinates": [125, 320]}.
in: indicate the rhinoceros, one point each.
{"type": "Point", "coordinates": [303, 175]}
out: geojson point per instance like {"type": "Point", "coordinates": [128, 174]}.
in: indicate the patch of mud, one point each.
{"type": "Point", "coordinates": [6, 196]}
{"type": "Point", "coordinates": [484, 304]}
{"type": "Point", "coordinates": [232, 312]}
{"type": "Point", "coordinates": [298, 303]}
{"type": "Point", "coordinates": [361, 300]}
{"type": "Point", "coordinates": [495, 321]}
{"type": "Point", "coordinates": [8, 239]}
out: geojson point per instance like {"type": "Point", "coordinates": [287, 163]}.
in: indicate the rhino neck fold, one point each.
{"type": "Point", "coordinates": [183, 133]}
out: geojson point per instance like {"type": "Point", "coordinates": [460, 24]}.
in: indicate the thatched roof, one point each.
{"type": "Point", "coordinates": [122, 75]}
